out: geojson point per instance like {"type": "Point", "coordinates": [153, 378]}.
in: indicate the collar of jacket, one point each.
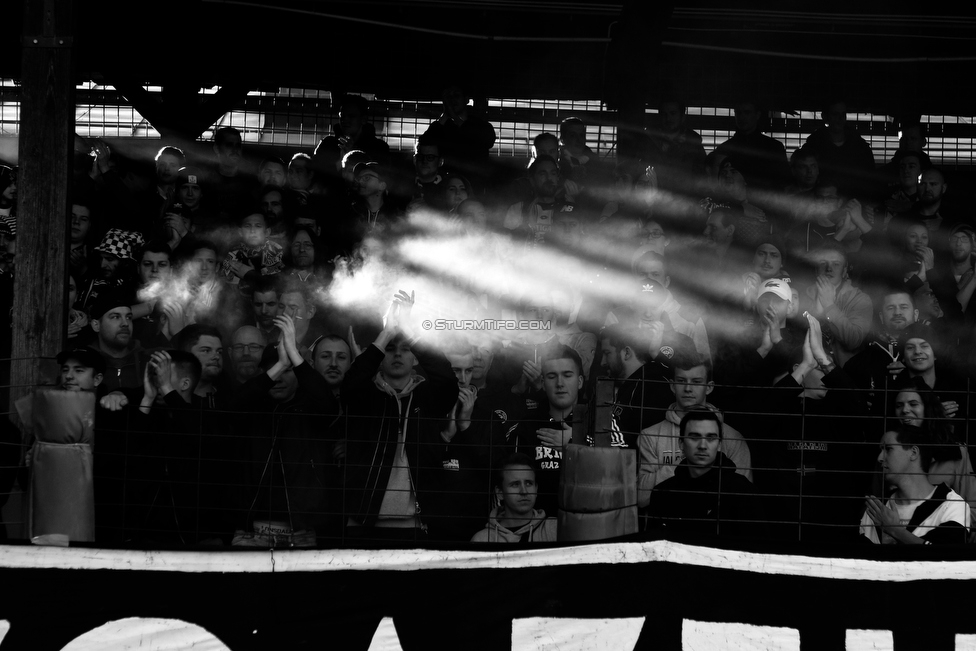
{"type": "Point", "coordinates": [382, 385]}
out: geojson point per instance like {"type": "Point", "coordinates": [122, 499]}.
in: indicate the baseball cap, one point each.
{"type": "Point", "coordinates": [85, 356]}
{"type": "Point", "coordinates": [192, 175]}
{"type": "Point", "coordinates": [963, 227]}
{"type": "Point", "coordinates": [778, 286]}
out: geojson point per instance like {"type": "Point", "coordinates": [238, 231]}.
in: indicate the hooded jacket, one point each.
{"type": "Point", "coordinates": [539, 529]}
{"type": "Point", "coordinates": [660, 452]}
{"type": "Point", "coordinates": [377, 414]}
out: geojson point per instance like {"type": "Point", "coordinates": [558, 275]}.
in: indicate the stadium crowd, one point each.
{"type": "Point", "coordinates": [346, 346]}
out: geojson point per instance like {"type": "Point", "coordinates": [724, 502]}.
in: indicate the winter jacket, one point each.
{"type": "Point", "coordinates": [377, 414]}
{"type": "Point", "coordinates": [539, 529]}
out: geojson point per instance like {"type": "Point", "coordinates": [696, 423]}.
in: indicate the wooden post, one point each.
{"type": "Point", "coordinates": [47, 119]}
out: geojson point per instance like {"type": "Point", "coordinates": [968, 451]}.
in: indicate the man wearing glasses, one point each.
{"type": "Point", "coordinates": [246, 347]}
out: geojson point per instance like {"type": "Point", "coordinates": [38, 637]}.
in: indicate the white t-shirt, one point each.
{"type": "Point", "coordinates": [953, 509]}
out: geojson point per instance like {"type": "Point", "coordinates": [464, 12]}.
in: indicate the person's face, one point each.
{"type": "Point", "coordinates": [547, 147]}
{"type": "Point", "coordinates": [537, 310]}
{"type": "Point", "coordinates": [455, 99]}
{"type": "Point", "coordinates": [189, 195]}
{"type": "Point", "coordinates": [909, 408]}
{"type": "Point", "coordinates": [80, 223]}
{"type": "Point", "coordinates": [272, 205]}
{"type": "Point", "coordinates": [912, 139]}
{"type": "Point", "coordinates": [518, 490]}
{"type": "Point", "coordinates": [836, 116]}
{"type": "Point", "coordinates": [427, 161]}
{"type": "Point", "coordinates": [671, 117]}
{"type": "Point", "coordinates": [780, 307]}
{"type": "Point", "coordinates": [733, 182]}
{"type": "Point", "coordinates": [398, 361]}
{"type": "Point", "coordinates": [167, 168]}
{"type": "Point", "coordinates": [961, 246]}
{"type": "Point", "coordinates": [369, 183]}
{"type": "Point", "coordinates": [573, 138]}
{"type": "Point", "coordinates": [299, 174]}
{"type": "Point", "coordinates": [229, 150]}
{"type": "Point", "coordinates": [701, 443]}
{"type": "Point", "coordinates": [897, 312]}
{"type": "Point", "coordinates": [293, 304]}
{"type": "Point", "coordinates": [265, 308]}
{"type": "Point", "coordinates": [285, 387]}
{"type": "Point", "coordinates": [77, 377]}
{"type": "Point", "coordinates": [456, 191]}
{"type": "Point", "coordinates": [653, 270]}
{"type": "Point", "coordinates": [302, 250]}
{"type": "Point", "coordinates": [561, 382]}
{"type": "Point", "coordinates": [928, 302]}
{"type": "Point", "coordinates": [473, 212]}
{"type": "Point", "coordinates": [10, 192]}
{"type": "Point", "coordinates": [545, 179]}
{"type": "Point", "coordinates": [72, 291]}
{"type": "Point", "coordinates": [610, 359]}
{"type": "Point", "coordinates": [245, 353]}
{"type": "Point", "coordinates": [210, 352]}
{"type": "Point", "coordinates": [204, 264]}
{"type": "Point", "coordinates": [154, 267]}
{"type": "Point", "coordinates": [806, 171]}
{"type": "Point", "coordinates": [481, 362]}
{"type": "Point", "coordinates": [351, 120]}
{"type": "Point", "coordinates": [115, 327]}
{"type": "Point", "coordinates": [655, 237]}
{"type": "Point", "coordinates": [908, 170]}
{"type": "Point", "coordinates": [828, 200]}
{"type": "Point", "coordinates": [254, 230]}
{"type": "Point", "coordinates": [272, 173]}
{"type": "Point", "coordinates": [566, 228]}
{"type": "Point", "coordinates": [110, 263]}
{"type": "Point", "coordinates": [918, 355]}
{"type": "Point", "coordinates": [833, 266]}
{"type": "Point", "coordinates": [931, 187]}
{"type": "Point", "coordinates": [463, 368]}
{"type": "Point", "coordinates": [691, 386]}
{"type": "Point", "coordinates": [746, 118]}
{"type": "Point", "coordinates": [895, 458]}
{"type": "Point", "coordinates": [916, 237]}
{"type": "Point", "coordinates": [768, 261]}
{"type": "Point", "coordinates": [332, 360]}
{"type": "Point", "coordinates": [715, 232]}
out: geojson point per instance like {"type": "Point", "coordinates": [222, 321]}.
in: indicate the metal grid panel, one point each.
{"type": "Point", "coordinates": [298, 118]}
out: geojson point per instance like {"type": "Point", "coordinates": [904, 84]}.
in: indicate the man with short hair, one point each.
{"type": "Point", "coordinates": [761, 159]}
{"type": "Point", "coordinates": [150, 204]}
{"type": "Point", "coordinates": [285, 412]}
{"type": "Point", "coordinates": [393, 452]}
{"type": "Point", "coordinates": [332, 357]}
{"type": "Point", "coordinates": [841, 152]}
{"type": "Point", "coordinates": [707, 494]}
{"type": "Point", "coordinates": [660, 446]}
{"type": "Point", "coordinates": [117, 257]}
{"type": "Point", "coordinates": [674, 150]}
{"type": "Point", "coordinates": [845, 310]}
{"type": "Point", "coordinates": [532, 220]}
{"type": "Point", "coordinates": [247, 345]}
{"type": "Point", "coordinates": [516, 519]}
{"type": "Point", "coordinates": [230, 189]}
{"type": "Point", "coordinates": [264, 303]}
{"type": "Point", "coordinates": [204, 343]}
{"type": "Point", "coordinates": [545, 431]}
{"type": "Point", "coordinates": [427, 163]}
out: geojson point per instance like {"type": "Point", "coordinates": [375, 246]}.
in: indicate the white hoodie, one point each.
{"type": "Point", "coordinates": [539, 529]}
